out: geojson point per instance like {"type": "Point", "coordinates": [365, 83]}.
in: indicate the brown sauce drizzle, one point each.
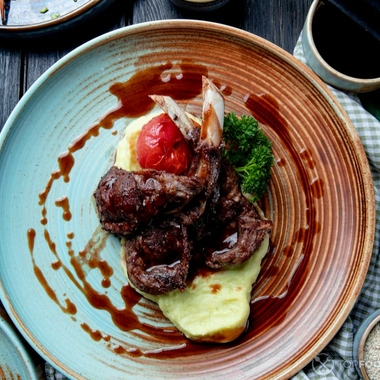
{"type": "Point", "coordinates": [64, 203]}
{"type": "Point", "coordinates": [133, 101]}
{"type": "Point", "coordinates": [215, 288]}
{"type": "Point", "coordinates": [69, 308]}
{"type": "Point", "coordinates": [160, 80]}
{"type": "Point", "coordinates": [306, 155]}
{"type": "Point", "coordinates": [90, 255]}
{"type": "Point", "coordinates": [95, 334]}
{"type": "Point", "coordinates": [268, 310]}
{"type": "Point", "coordinates": [316, 187]}
{"type": "Point", "coordinates": [280, 162]}
{"type": "Point", "coordinates": [56, 265]}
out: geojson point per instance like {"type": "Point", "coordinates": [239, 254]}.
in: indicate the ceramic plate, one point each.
{"type": "Point", "coordinates": [15, 362]}
{"type": "Point", "coordinates": [60, 276]}
{"type": "Point", "coordinates": [25, 17]}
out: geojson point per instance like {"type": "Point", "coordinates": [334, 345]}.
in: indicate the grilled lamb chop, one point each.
{"type": "Point", "coordinates": [231, 229]}
{"type": "Point", "coordinates": [170, 218]}
{"type": "Point", "coordinates": [127, 200]}
{"type": "Point", "coordinates": [157, 259]}
{"type": "Point", "coordinates": [170, 265]}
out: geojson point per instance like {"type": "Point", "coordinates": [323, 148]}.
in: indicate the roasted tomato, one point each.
{"type": "Point", "coordinates": [161, 146]}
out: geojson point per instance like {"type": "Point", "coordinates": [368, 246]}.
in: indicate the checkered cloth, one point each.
{"type": "Point", "coordinates": [336, 361]}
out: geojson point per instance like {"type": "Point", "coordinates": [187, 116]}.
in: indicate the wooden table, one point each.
{"type": "Point", "coordinates": [22, 61]}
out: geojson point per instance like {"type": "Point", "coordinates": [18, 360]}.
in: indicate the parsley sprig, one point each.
{"type": "Point", "coordinates": [249, 151]}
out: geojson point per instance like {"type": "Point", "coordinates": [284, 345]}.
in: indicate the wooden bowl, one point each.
{"type": "Point", "coordinates": [80, 314]}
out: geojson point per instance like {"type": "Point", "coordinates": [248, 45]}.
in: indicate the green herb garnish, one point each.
{"type": "Point", "coordinates": [249, 151]}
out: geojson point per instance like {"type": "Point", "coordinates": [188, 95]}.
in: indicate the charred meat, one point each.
{"type": "Point", "coordinates": [168, 219]}
{"type": "Point", "coordinates": [157, 259]}
{"type": "Point", "coordinates": [127, 200]}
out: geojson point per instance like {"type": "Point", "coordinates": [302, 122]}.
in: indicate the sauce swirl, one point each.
{"type": "Point", "coordinates": [182, 82]}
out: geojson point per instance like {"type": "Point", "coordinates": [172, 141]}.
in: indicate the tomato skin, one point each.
{"type": "Point", "coordinates": [161, 146]}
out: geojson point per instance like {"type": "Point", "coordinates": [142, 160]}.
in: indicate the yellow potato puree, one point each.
{"type": "Point", "coordinates": [213, 308]}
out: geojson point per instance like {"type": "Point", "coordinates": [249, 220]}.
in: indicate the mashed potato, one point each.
{"type": "Point", "coordinates": [213, 308]}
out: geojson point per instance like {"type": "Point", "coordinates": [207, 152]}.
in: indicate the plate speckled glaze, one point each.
{"type": "Point", "coordinates": [26, 18]}
{"type": "Point", "coordinates": [15, 361]}
{"type": "Point", "coordinates": [60, 276]}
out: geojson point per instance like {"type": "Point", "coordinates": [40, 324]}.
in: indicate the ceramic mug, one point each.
{"type": "Point", "coordinates": [324, 70]}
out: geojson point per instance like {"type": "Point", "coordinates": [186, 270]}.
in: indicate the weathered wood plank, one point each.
{"type": "Point", "coordinates": [22, 62]}
{"type": "Point", "coordinates": [10, 66]}
{"type": "Point", "coordinates": [279, 21]}
{"type": "Point", "coordinates": [46, 52]}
